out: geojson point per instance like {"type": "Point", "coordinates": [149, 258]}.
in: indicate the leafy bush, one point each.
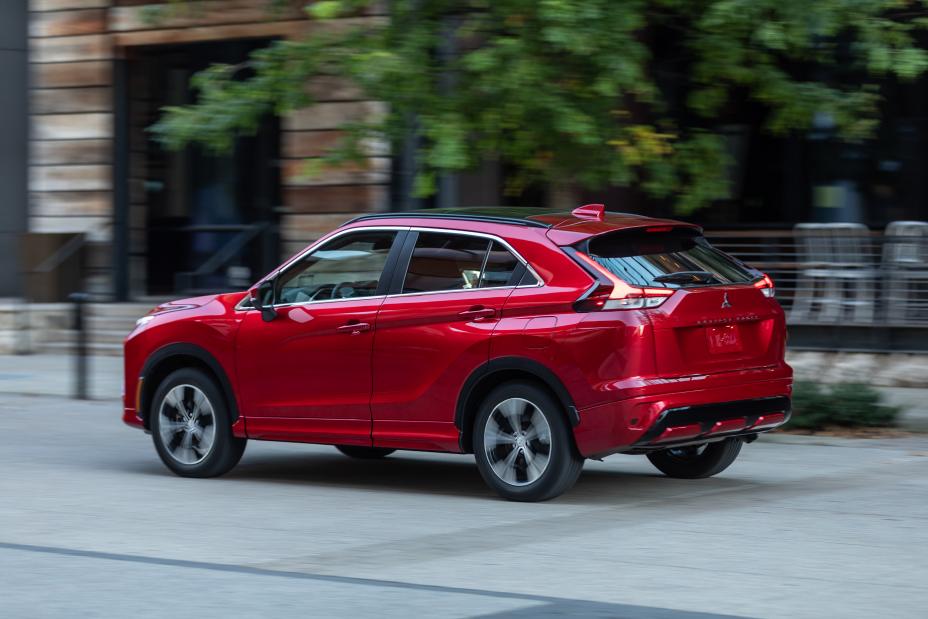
{"type": "Point", "coordinates": [844, 404]}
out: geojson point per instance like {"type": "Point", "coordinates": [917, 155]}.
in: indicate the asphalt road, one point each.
{"type": "Point", "coordinates": [92, 525]}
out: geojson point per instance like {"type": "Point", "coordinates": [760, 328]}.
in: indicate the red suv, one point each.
{"type": "Point", "coordinates": [531, 339]}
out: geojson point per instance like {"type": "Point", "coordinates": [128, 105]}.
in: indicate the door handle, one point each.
{"type": "Point", "coordinates": [354, 328]}
{"type": "Point", "coordinates": [478, 312]}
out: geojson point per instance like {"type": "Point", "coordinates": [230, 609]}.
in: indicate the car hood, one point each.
{"type": "Point", "coordinates": [182, 304]}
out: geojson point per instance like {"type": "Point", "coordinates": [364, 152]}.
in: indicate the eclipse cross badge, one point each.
{"type": "Point", "coordinates": [725, 302]}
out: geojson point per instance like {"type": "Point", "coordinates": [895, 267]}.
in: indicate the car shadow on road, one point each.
{"type": "Point", "coordinates": [448, 476]}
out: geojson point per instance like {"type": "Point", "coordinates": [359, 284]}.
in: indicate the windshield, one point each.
{"type": "Point", "coordinates": [638, 257]}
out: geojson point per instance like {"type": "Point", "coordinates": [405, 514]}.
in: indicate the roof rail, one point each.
{"type": "Point", "coordinates": [454, 216]}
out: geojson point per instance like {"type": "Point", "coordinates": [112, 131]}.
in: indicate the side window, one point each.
{"type": "Point", "coordinates": [347, 267]}
{"type": "Point", "coordinates": [442, 261]}
{"type": "Point", "coordinates": [500, 268]}
{"type": "Point", "coordinates": [528, 279]}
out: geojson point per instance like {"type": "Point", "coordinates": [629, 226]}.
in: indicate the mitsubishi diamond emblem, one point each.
{"type": "Point", "coordinates": [725, 302]}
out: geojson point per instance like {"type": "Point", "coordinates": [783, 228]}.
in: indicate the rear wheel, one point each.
{"type": "Point", "coordinates": [697, 461]}
{"type": "Point", "coordinates": [364, 453]}
{"type": "Point", "coordinates": [523, 445]}
{"type": "Point", "coordinates": [191, 426]}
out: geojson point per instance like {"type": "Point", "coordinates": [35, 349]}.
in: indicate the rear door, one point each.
{"type": "Point", "coordinates": [433, 332]}
{"type": "Point", "coordinates": [717, 321]}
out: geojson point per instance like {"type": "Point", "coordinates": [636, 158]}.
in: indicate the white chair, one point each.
{"type": "Point", "coordinates": [905, 265]}
{"type": "Point", "coordinates": [837, 278]}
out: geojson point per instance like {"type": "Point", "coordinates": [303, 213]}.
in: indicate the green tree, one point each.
{"type": "Point", "coordinates": [576, 93]}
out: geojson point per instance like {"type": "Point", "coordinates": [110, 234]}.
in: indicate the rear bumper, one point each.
{"type": "Point", "coordinates": [651, 422]}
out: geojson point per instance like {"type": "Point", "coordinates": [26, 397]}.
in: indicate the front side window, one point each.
{"type": "Point", "coordinates": [349, 266]}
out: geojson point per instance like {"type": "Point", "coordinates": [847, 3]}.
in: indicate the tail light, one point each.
{"type": "Point", "coordinates": [611, 293]}
{"type": "Point", "coordinates": [765, 284]}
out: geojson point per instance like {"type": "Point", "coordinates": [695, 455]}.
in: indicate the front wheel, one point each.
{"type": "Point", "coordinates": [191, 426]}
{"type": "Point", "coordinates": [698, 461]}
{"type": "Point", "coordinates": [523, 445]}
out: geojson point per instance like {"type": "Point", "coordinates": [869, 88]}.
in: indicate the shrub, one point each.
{"type": "Point", "coordinates": [816, 406]}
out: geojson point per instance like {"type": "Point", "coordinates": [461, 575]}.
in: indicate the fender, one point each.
{"type": "Point", "coordinates": [520, 364]}
{"type": "Point", "coordinates": [183, 349]}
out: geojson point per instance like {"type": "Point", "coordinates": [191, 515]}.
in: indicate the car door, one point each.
{"type": "Point", "coordinates": [306, 375]}
{"type": "Point", "coordinates": [433, 332]}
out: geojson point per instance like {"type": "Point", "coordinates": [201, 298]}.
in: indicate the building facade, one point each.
{"type": "Point", "coordinates": [159, 222]}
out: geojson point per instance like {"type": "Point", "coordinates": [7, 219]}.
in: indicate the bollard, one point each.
{"type": "Point", "coordinates": [80, 346]}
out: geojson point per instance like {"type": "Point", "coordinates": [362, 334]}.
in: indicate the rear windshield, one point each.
{"type": "Point", "coordinates": [638, 257]}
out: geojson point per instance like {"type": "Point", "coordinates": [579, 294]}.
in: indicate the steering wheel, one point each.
{"type": "Point", "coordinates": [343, 290]}
{"type": "Point", "coordinates": [321, 291]}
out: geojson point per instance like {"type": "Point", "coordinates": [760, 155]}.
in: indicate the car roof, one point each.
{"type": "Point", "coordinates": [564, 227]}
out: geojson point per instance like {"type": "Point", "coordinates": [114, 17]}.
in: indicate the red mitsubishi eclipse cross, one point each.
{"type": "Point", "coordinates": [531, 339]}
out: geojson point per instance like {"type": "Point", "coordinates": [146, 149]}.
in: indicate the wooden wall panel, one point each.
{"type": "Point", "coordinates": [59, 5]}
{"type": "Point", "coordinates": [69, 203]}
{"type": "Point", "coordinates": [203, 13]}
{"type": "Point", "coordinates": [70, 74]}
{"type": "Point", "coordinates": [70, 152]}
{"type": "Point", "coordinates": [333, 88]}
{"type": "Point", "coordinates": [303, 229]}
{"type": "Point", "coordinates": [70, 178]}
{"type": "Point", "coordinates": [332, 115]}
{"type": "Point", "coordinates": [72, 126]}
{"type": "Point", "coordinates": [284, 29]}
{"type": "Point", "coordinates": [70, 49]}
{"type": "Point", "coordinates": [308, 143]}
{"type": "Point", "coordinates": [98, 229]}
{"type": "Point", "coordinates": [336, 199]}
{"type": "Point", "coordinates": [67, 23]}
{"type": "Point", "coordinates": [68, 100]}
{"type": "Point", "coordinates": [374, 170]}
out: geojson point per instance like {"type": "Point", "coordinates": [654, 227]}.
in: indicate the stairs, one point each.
{"type": "Point", "coordinates": [107, 326]}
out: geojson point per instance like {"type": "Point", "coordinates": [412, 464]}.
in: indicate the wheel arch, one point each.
{"type": "Point", "coordinates": [495, 372]}
{"type": "Point", "coordinates": [174, 357]}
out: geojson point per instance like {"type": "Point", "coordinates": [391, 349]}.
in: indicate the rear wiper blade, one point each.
{"type": "Point", "coordinates": [686, 277]}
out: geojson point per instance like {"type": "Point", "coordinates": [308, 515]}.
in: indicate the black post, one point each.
{"type": "Point", "coordinates": [80, 347]}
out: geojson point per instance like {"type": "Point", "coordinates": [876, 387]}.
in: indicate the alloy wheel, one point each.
{"type": "Point", "coordinates": [517, 441]}
{"type": "Point", "coordinates": [187, 424]}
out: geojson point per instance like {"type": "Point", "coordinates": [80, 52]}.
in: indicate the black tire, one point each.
{"type": "Point", "coordinates": [364, 453]}
{"type": "Point", "coordinates": [563, 462]}
{"type": "Point", "coordinates": [224, 451]}
{"type": "Point", "coordinates": [691, 463]}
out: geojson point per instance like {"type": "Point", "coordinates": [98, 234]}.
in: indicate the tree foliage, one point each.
{"type": "Point", "coordinates": [587, 93]}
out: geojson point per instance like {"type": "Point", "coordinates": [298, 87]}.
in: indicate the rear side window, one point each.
{"type": "Point", "coordinates": [500, 268]}
{"type": "Point", "coordinates": [445, 262]}
{"type": "Point", "coordinates": [638, 257]}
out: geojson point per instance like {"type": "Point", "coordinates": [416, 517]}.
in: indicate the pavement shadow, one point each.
{"type": "Point", "coordinates": [450, 476]}
{"type": "Point", "coordinates": [392, 474]}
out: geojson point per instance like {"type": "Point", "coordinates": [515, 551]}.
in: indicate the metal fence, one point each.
{"type": "Point", "coordinates": [841, 274]}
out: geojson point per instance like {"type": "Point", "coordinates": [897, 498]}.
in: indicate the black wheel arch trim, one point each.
{"type": "Point", "coordinates": [183, 349]}
{"type": "Point", "coordinates": [521, 364]}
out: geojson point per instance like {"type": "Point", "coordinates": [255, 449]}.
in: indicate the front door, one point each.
{"type": "Point", "coordinates": [306, 375]}
{"type": "Point", "coordinates": [433, 333]}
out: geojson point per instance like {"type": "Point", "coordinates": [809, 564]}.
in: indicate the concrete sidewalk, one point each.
{"type": "Point", "coordinates": [54, 375]}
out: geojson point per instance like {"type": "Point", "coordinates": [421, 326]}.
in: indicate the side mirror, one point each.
{"type": "Point", "coordinates": [262, 298]}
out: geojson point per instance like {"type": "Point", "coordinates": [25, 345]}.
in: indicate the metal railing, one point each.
{"type": "Point", "coordinates": [841, 274]}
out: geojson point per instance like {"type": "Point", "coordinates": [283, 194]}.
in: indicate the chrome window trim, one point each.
{"type": "Point", "coordinates": [325, 239]}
